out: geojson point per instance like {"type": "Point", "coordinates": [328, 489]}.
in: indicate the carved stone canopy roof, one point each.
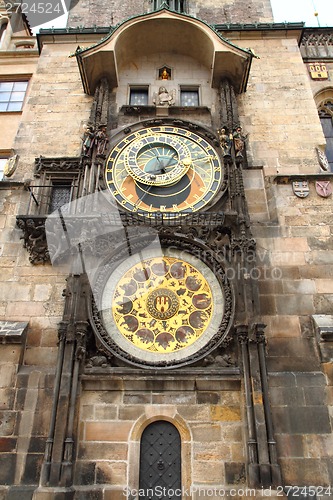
{"type": "Point", "coordinates": [164, 31]}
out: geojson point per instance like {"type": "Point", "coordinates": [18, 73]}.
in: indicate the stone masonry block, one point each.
{"type": "Point", "coordinates": [318, 446]}
{"type": "Point", "coordinates": [206, 432]}
{"type": "Point", "coordinates": [286, 396]}
{"type": "Point", "coordinates": [235, 473]}
{"type": "Point", "coordinates": [102, 451]}
{"type": "Point", "coordinates": [212, 451]}
{"type": "Point", "coordinates": [215, 476]}
{"type": "Point", "coordinates": [290, 445]}
{"type": "Point", "coordinates": [225, 413]}
{"type": "Point", "coordinates": [301, 420]}
{"type": "Point", "coordinates": [301, 471]}
{"type": "Point", "coordinates": [108, 431]}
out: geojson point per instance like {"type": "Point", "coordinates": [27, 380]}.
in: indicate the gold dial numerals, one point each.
{"type": "Point", "coordinates": [164, 169]}
{"type": "Point", "coordinates": [162, 304]}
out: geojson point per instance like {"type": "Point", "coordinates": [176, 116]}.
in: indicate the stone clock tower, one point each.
{"type": "Point", "coordinates": [167, 358]}
{"type": "Point", "coordinates": [161, 314]}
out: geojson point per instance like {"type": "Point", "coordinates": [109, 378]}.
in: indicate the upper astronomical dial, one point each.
{"type": "Point", "coordinates": [158, 160]}
{"type": "Point", "coordinates": [164, 169]}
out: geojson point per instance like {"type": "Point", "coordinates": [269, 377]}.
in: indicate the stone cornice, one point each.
{"type": "Point", "coordinates": [286, 178]}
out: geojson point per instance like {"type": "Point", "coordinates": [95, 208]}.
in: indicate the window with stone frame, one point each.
{"type": "Point", "coordinates": [138, 96]}
{"type": "Point", "coordinates": [60, 196]}
{"type": "Point", "coordinates": [326, 119]}
{"type": "Point", "coordinates": [189, 96]}
{"type": "Point", "coordinates": [12, 95]}
{"type": "Point", "coordinates": [56, 184]}
{"type": "Point", "coordinates": [177, 5]}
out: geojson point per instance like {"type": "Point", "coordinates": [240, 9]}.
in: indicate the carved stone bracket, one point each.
{"type": "Point", "coordinates": [34, 238]}
{"type": "Point", "coordinates": [242, 244]}
{"type": "Point", "coordinates": [50, 165]}
{"type": "Point", "coordinates": [96, 234]}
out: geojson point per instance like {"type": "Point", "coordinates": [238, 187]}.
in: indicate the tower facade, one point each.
{"type": "Point", "coordinates": [224, 12]}
{"type": "Point", "coordinates": [166, 327]}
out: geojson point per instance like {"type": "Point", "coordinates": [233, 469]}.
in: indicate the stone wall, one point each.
{"type": "Point", "coordinates": [30, 296]}
{"type": "Point", "coordinates": [282, 136]}
{"type": "Point", "coordinates": [55, 111]}
{"type": "Point", "coordinates": [114, 412]}
{"type": "Point", "coordinates": [228, 11]}
{"type": "Point", "coordinates": [89, 13]}
{"type": "Point", "coordinates": [294, 238]}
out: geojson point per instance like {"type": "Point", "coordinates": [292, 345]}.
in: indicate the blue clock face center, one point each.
{"type": "Point", "coordinates": [157, 159]}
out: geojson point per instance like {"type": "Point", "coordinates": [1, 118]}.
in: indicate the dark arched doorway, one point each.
{"type": "Point", "coordinates": [160, 462]}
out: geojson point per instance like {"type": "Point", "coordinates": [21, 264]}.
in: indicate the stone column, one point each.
{"type": "Point", "coordinates": [57, 469]}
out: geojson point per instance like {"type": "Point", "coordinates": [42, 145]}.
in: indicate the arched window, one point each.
{"type": "Point", "coordinates": [326, 118]}
{"type": "Point", "coordinates": [160, 461]}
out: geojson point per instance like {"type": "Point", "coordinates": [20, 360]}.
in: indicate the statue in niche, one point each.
{"type": "Point", "coordinates": [225, 139]}
{"type": "Point", "coordinates": [101, 140]}
{"type": "Point", "coordinates": [239, 141]}
{"type": "Point", "coordinates": [88, 141]}
{"type": "Point", "coordinates": [95, 141]}
{"type": "Point", "coordinates": [164, 98]}
{"type": "Point", "coordinates": [165, 74]}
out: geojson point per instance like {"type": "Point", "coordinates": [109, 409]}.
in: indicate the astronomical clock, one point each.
{"type": "Point", "coordinates": [170, 304]}
{"type": "Point", "coordinates": [164, 169]}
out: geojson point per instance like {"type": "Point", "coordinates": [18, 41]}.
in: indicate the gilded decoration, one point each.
{"type": "Point", "coordinates": [162, 304]}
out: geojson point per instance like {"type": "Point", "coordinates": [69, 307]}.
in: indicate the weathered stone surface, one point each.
{"type": "Point", "coordinates": [301, 470]}
{"type": "Point", "coordinates": [7, 468]}
{"type": "Point", "coordinates": [301, 420]}
{"type": "Point", "coordinates": [293, 275]}
{"type": "Point", "coordinates": [90, 450]}
{"type": "Point", "coordinates": [225, 413]}
{"type": "Point", "coordinates": [239, 11]}
{"type": "Point", "coordinates": [290, 445]}
{"type": "Point", "coordinates": [206, 432]}
{"type": "Point", "coordinates": [235, 473]}
{"type": "Point", "coordinates": [110, 431]}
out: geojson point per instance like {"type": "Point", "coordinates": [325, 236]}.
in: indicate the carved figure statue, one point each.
{"type": "Point", "coordinates": [239, 141]}
{"type": "Point", "coordinates": [88, 141]}
{"type": "Point", "coordinates": [165, 74]}
{"type": "Point", "coordinates": [98, 360]}
{"type": "Point", "coordinates": [225, 141]}
{"type": "Point", "coordinates": [101, 140]}
{"type": "Point", "coordinates": [164, 98]}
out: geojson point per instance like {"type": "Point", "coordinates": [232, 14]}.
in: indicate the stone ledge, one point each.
{"type": "Point", "coordinates": [108, 379]}
{"type": "Point", "coordinates": [13, 332]}
{"type": "Point", "coordinates": [286, 178]}
{"type": "Point", "coordinates": [323, 324]}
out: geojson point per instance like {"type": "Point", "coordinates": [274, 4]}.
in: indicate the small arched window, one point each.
{"type": "Point", "coordinates": [326, 119]}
